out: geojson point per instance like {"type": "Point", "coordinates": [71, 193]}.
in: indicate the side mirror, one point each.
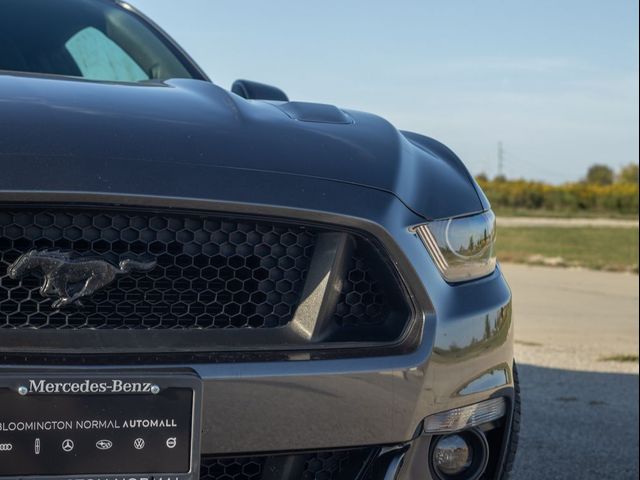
{"type": "Point", "coordinates": [258, 91]}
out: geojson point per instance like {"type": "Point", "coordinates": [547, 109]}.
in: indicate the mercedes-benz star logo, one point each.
{"type": "Point", "coordinates": [68, 445]}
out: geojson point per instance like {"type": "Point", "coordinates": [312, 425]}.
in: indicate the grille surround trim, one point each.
{"type": "Point", "coordinates": [202, 346]}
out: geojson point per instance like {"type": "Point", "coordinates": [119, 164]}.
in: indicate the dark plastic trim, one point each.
{"type": "Point", "coordinates": [200, 345]}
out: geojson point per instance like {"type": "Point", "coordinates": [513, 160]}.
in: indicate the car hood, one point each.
{"type": "Point", "coordinates": [92, 127]}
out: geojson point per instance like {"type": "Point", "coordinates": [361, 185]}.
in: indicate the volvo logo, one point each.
{"type": "Point", "coordinates": [68, 278]}
{"type": "Point", "coordinates": [171, 442]}
{"type": "Point", "coordinates": [104, 444]}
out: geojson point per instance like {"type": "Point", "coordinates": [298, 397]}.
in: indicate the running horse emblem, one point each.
{"type": "Point", "coordinates": [70, 278]}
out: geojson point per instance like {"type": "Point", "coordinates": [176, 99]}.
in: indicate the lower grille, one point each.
{"type": "Point", "coordinates": [243, 468]}
{"type": "Point", "coordinates": [326, 465]}
{"type": "Point", "coordinates": [332, 465]}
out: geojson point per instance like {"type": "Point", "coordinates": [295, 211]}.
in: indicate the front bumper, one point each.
{"type": "Point", "coordinates": [462, 352]}
{"type": "Point", "coordinates": [292, 405]}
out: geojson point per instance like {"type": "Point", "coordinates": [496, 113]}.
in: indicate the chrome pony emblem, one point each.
{"type": "Point", "coordinates": [70, 278]}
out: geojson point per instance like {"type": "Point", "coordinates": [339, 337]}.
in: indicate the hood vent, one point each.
{"type": "Point", "coordinates": [315, 112]}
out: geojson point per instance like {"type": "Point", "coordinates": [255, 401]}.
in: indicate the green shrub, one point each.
{"type": "Point", "coordinates": [619, 198]}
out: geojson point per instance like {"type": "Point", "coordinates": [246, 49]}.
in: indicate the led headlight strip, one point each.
{"type": "Point", "coordinates": [432, 246]}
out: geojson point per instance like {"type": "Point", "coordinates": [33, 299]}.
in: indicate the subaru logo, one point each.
{"type": "Point", "coordinates": [104, 444]}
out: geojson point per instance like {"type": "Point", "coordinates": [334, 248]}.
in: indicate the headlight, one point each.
{"type": "Point", "coordinates": [462, 248]}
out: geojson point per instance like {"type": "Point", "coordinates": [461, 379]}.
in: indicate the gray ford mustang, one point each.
{"type": "Point", "coordinates": [229, 285]}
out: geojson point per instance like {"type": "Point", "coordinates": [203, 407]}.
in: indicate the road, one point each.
{"type": "Point", "coordinates": [580, 412]}
{"type": "Point", "coordinates": [565, 222]}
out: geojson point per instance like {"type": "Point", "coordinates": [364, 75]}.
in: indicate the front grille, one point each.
{"type": "Point", "coordinates": [325, 465]}
{"type": "Point", "coordinates": [211, 272]}
{"type": "Point", "coordinates": [238, 282]}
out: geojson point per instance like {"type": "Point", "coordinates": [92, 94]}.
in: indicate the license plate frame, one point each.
{"type": "Point", "coordinates": [113, 393]}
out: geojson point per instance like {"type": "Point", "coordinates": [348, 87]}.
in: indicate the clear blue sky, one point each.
{"type": "Point", "coordinates": [555, 81]}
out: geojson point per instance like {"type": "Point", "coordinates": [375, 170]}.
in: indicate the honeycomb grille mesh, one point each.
{"type": "Point", "coordinates": [362, 299]}
{"type": "Point", "coordinates": [325, 465]}
{"type": "Point", "coordinates": [211, 272]}
{"type": "Point", "coordinates": [241, 468]}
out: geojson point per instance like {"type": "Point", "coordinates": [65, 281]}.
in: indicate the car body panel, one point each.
{"type": "Point", "coordinates": [83, 132]}
{"type": "Point", "coordinates": [301, 404]}
{"type": "Point", "coordinates": [189, 145]}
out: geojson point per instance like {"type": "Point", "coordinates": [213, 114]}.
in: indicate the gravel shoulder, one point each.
{"type": "Point", "coordinates": [565, 222]}
{"type": "Point", "coordinates": [572, 318]}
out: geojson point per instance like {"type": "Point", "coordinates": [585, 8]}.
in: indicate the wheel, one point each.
{"type": "Point", "coordinates": [514, 436]}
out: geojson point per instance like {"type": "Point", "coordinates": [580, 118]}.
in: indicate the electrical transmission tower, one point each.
{"type": "Point", "coordinates": [500, 159]}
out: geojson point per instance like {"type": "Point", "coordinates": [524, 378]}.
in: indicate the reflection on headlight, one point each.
{"type": "Point", "coordinates": [462, 248]}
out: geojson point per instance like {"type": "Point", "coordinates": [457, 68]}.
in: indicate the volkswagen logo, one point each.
{"type": "Point", "coordinates": [104, 444]}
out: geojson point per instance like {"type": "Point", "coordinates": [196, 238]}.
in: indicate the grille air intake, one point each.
{"type": "Point", "coordinates": [186, 283]}
{"type": "Point", "coordinates": [211, 272]}
{"type": "Point", "coordinates": [323, 465]}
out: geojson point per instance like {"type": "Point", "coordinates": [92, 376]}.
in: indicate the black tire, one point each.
{"type": "Point", "coordinates": [514, 437]}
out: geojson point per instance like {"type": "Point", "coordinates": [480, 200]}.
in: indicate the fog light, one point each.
{"type": "Point", "coordinates": [452, 455]}
{"type": "Point", "coordinates": [461, 456]}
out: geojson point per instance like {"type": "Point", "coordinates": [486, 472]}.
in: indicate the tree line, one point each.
{"type": "Point", "coordinates": [602, 190]}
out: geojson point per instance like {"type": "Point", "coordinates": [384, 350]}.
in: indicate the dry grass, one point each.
{"type": "Point", "coordinates": [614, 249]}
{"type": "Point", "coordinates": [620, 358]}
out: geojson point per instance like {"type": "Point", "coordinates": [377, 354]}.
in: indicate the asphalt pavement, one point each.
{"type": "Point", "coordinates": [580, 410]}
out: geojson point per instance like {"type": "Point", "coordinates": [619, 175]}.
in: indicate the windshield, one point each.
{"type": "Point", "coordinates": [92, 39]}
